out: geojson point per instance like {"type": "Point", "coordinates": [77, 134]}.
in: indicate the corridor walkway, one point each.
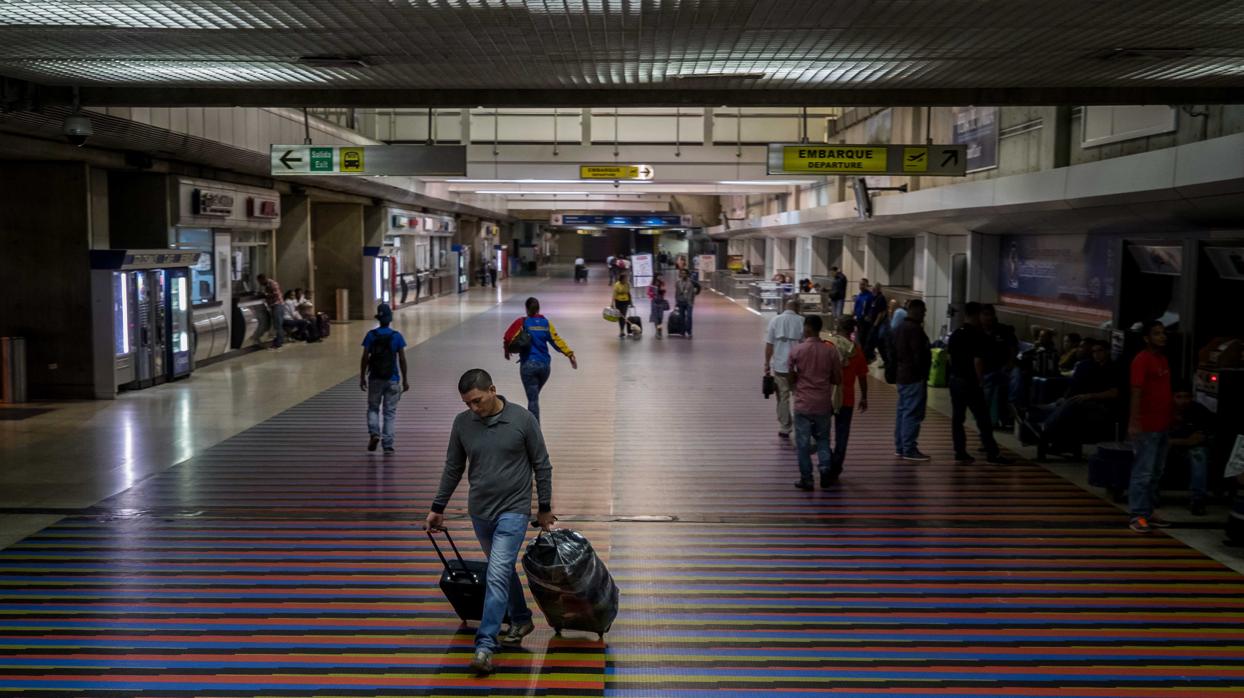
{"type": "Point", "coordinates": [285, 560]}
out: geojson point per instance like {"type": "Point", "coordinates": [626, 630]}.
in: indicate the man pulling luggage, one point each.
{"type": "Point", "coordinates": [507, 452]}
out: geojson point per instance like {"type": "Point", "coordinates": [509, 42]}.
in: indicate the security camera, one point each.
{"type": "Point", "coordinates": [77, 129]}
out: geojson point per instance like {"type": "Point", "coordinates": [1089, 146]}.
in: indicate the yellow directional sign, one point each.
{"type": "Point", "coordinates": [916, 159]}
{"type": "Point", "coordinates": [861, 160]}
{"type": "Point", "coordinates": [833, 159]}
{"type": "Point", "coordinates": [614, 172]}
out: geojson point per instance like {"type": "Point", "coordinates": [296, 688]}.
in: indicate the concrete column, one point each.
{"type": "Point", "coordinates": [45, 216]}
{"type": "Point", "coordinates": [876, 260]}
{"type": "Point", "coordinates": [770, 258]}
{"type": "Point", "coordinates": [854, 258]}
{"type": "Point", "coordinates": [337, 232]}
{"type": "Point", "coordinates": [983, 262]}
{"type": "Point", "coordinates": [803, 258]}
{"type": "Point", "coordinates": [292, 246]}
{"type": "Point", "coordinates": [933, 271]}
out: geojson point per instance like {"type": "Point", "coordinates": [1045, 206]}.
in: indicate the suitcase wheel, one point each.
{"type": "Point", "coordinates": [600, 637]}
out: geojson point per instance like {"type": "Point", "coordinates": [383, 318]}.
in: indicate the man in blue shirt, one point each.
{"type": "Point", "coordinates": [863, 318]}
{"type": "Point", "coordinates": [382, 375]}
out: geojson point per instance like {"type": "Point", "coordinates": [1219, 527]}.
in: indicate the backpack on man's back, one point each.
{"type": "Point", "coordinates": [381, 358]}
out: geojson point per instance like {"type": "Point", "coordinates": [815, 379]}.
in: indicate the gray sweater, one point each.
{"type": "Point", "coordinates": [505, 451]}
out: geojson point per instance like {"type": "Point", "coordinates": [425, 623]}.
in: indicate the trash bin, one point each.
{"type": "Point", "coordinates": [343, 305]}
{"type": "Point", "coordinates": [12, 369]}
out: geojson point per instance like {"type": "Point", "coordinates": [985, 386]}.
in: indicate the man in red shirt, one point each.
{"type": "Point", "coordinates": [854, 369]}
{"type": "Point", "coordinates": [1147, 426]}
{"type": "Point", "coordinates": [815, 370]}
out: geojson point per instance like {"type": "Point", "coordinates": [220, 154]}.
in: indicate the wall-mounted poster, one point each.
{"type": "Point", "coordinates": [1060, 273]}
{"type": "Point", "coordinates": [977, 128]}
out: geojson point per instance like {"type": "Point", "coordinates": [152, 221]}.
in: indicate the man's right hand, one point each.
{"type": "Point", "coordinates": [363, 384]}
{"type": "Point", "coordinates": [435, 522]}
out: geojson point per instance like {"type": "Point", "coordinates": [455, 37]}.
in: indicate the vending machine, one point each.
{"type": "Point", "coordinates": [462, 267]}
{"type": "Point", "coordinates": [141, 306]}
{"type": "Point", "coordinates": [379, 277]}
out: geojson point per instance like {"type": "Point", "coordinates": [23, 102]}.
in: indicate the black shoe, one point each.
{"type": "Point", "coordinates": [828, 479]}
{"type": "Point", "coordinates": [805, 485]}
{"type": "Point", "coordinates": [998, 459]}
{"type": "Point", "coordinates": [373, 442]}
{"type": "Point", "coordinates": [964, 459]}
{"type": "Point", "coordinates": [916, 457]}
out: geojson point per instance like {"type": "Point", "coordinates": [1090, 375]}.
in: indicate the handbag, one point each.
{"type": "Point", "coordinates": [611, 314]}
{"type": "Point", "coordinates": [768, 386]}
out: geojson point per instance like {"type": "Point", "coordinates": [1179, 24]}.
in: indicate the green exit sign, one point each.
{"type": "Point", "coordinates": [321, 159]}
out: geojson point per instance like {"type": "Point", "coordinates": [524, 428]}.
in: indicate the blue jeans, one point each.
{"type": "Point", "coordinates": [808, 427]}
{"type": "Point", "coordinates": [912, 398]}
{"type": "Point", "coordinates": [842, 431]}
{"type": "Point", "coordinates": [838, 307]}
{"type": "Point", "coordinates": [534, 375]}
{"type": "Point", "coordinates": [278, 324]}
{"type": "Point", "coordinates": [686, 308]}
{"type": "Point", "coordinates": [501, 539]}
{"type": "Point", "coordinates": [1198, 471]}
{"type": "Point", "coordinates": [388, 393]}
{"type": "Point", "coordinates": [1150, 458]}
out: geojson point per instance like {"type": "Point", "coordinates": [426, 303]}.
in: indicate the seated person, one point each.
{"type": "Point", "coordinates": [306, 307]}
{"type": "Point", "coordinates": [294, 324]}
{"type": "Point", "coordinates": [1189, 441]}
{"type": "Point", "coordinates": [1075, 350]}
{"type": "Point", "coordinates": [1090, 405]}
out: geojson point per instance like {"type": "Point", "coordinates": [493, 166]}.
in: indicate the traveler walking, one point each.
{"type": "Point", "coordinates": [534, 360]}
{"type": "Point", "coordinates": [658, 303]}
{"type": "Point", "coordinates": [784, 332]}
{"type": "Point", "coordinates": [911, 347]}
{"type": "Point", "coordinates": [1148, 426]}
{"type": "Point", "coordinates": [862, 312]}
{"type": "Point", "coordinates": [816, 371]}
{"type": "Point", "coordinates": [685, 291]}
{"type": "Point", "coordinates": [968, 348]}
{"type": "Point", "coordinates": [506, 451]}
{"type": "Point", "coordinates": [854, 370]}
{"type": "Point", "coordinates": [622, 301]}
{"type": "Point", "coordinates": [492, 272]}
{"type": "Point", "coordinates": [272, 297]}
{"type": "Point", "coordinates": [383, 375]}
{"type": "Point", "coordinates": [837, 290]}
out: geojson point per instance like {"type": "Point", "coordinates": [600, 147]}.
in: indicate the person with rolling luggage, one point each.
{"type": "Point", "coordinates": [685, 291]}
{"type": "Point", "coordinates": [507, 452]}
{"type": "Point", "coordinates": [622, 301]}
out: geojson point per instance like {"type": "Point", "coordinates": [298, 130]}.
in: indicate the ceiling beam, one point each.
{"type": "Point", "coordinates": [170, 96]}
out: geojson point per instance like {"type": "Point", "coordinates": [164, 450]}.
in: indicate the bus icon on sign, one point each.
{"type": "Point", "coordinates": [351, 159]}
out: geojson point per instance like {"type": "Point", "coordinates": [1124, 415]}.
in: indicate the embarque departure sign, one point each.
{"type": "Point", "coordinates": [894, 159]}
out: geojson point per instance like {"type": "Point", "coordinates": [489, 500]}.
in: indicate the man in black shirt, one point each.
{"type": "Point", "coordinates": [1190, 433]}
{"type": "Point", "coordinates": [968, 347]}
{"type": "Point", "coordinates": [1000, 387]}
{"type": "Point", "coordinates": [911, 348]}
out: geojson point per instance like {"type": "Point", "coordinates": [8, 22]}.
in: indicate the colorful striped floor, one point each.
{"type": "Point", "coordinates": [287, 561]}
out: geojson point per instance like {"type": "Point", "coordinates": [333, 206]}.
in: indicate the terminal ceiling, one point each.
{"type": "Point", "coordinates": [623, 52]}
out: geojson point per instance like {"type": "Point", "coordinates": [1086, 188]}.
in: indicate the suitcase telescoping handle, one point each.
{"type": "Point", "coordinates": [441, 555]}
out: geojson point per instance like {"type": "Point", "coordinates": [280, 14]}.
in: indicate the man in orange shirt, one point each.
{"type": "Point", "coordinates": [854, 369]}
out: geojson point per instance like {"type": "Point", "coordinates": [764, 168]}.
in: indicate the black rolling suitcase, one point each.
{"type": "Point", "coordinates": [677, 323]}
{"type": "Point", "coordinates": [323, 324]}
{"type": "Point", "coordinates": [1111, 468]}
{"type": "Point", "coordinates": [634, 326]}
{"type": "Point", "coordinates": [463, 582]}
{"type": "Point", "coordinates": [570, 583]}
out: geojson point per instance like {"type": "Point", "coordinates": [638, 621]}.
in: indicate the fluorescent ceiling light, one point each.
{"type": "Point", "coordinates": [529, 181]}
{"type": "Point", "coordinates": [515, 192]}
{"type": "Point", "coordinates": [769, 182]}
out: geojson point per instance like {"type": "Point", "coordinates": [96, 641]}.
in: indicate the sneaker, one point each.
{"type": "Point", "coordinates": [916, 457]}
{"type": "Point", "coordinates": [805, 485]}
{"type": "Point", "coordinates": [1140, 525]}
{"type": "Point", "coordinates": [481, 663]}
{"type": "Point", "coordinates": [1156, 521]}
{"type": "Point", "coordinates": [388, 451]}
{"type": "Point", "coordinates": [514, 636]}
{"type": "Point", "coordinates": [964, 459]}
{"type": "Point", "coordinates": [1197, 509]}
{"type": "Point", "coordinates": [373, 442]}
{"type": "Point", "coordinates": [998, 459]}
